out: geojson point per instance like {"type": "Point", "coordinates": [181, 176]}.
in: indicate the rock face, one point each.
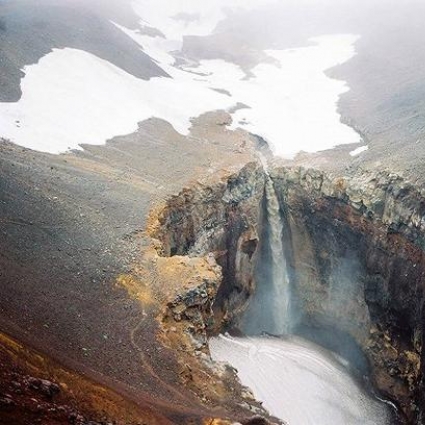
{"type": "Point", "coordinates": [222, 219]}
{"type": "Point", "coordinates": [206, 238]}
{"type": "Point", "coordinates": [358, 266]}
{"type": "Point", "coordinates": [354, 247]}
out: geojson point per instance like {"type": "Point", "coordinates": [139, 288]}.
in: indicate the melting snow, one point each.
{"type": "Point", "coordinates": [71, 97]}
{"type": "Point", "coordinates": [359, 150]}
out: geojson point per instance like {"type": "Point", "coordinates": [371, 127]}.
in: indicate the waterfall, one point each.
{"type": "Point", "coordinates": [269, 309]}
{"type": "Point", "coordinates": [279, 285]}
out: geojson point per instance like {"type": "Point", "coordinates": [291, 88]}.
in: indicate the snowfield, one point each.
{"type": "Point", "coordinates": [299, 382]}
{"type": "Point", "coordinates": [294, 105]}
{"type": "Point", "coordinates": [71, 97]}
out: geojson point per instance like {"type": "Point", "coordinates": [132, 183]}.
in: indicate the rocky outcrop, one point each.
{"type": "Point", "coordinates": [222, 219]}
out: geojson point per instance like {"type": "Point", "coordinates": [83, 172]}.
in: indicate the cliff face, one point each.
{"type": "Point", "coordinates": [354, 248]}
{"type": "Point", "coordinates": [222, 219]}
{"type": "Point", "coordinates": [205, 241]}
{"type": "Point", "coordinates": [358, 267]}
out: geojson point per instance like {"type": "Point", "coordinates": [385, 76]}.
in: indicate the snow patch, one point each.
{"type": "Point", "coordinates": [72, 97]}
{"type": "Point", "coordinates": [298, 381]}
{"type": "Point", "coordinates": [294, 105]}
{"type": "Point", "coordinates": [359, 150]}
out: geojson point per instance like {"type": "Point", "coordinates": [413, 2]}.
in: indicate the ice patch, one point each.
{"type": "Point", "coordinates": [299, 382]}
{"type": "Point", "coordinates": [359, 150]}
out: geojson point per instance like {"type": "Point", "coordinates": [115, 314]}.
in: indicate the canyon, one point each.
{"type": "Point", "coordinates": [182, 185]}
{"type": "Point", "coordinates": [352, 244]}
{"type": "Point", "coordinates": [354, 249]}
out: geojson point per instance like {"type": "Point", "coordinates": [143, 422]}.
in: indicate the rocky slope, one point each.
{"type": "Point", "coordinates": [76, 284]}
{"type": "Point", "coordinates": [35, 389]}
{"type": "Point", "coordinates": [354, 246]}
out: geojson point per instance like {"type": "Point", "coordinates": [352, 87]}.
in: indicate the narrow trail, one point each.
{"type": "Point", "coordinates": [147, 363]}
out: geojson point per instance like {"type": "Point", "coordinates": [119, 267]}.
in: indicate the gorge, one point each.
{"type": "Point", "coordinates": [288, 373]}
{"type": "Point", "coordinates": [212, 213]}
{"type": "Point", "coordinates": [353, 246]}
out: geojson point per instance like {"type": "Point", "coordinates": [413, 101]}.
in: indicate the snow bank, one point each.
{"type": "Point", "coordinates": [359, 150]}
{"type": "Point", "coordinates": [299, 382]}
{"type": "Point", "coordinates": [71, 97]}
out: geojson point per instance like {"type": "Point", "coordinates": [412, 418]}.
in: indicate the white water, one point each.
{"type": "Point", "coordinates": [279, 293]}
{"type": "Point", "coordinates": [269, 307]}
{"type": "Point", "coordinates": [299, 382]}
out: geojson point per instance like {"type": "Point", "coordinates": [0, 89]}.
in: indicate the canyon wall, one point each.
{"type": "Point", "coordinates": [222, 219]}
{"type": "Point", "coordinates": [358, 268]}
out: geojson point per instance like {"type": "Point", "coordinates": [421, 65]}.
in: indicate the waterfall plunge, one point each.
{"type": "Point", "coordinates": [279, 285]}
{"type": "Point", "coordinates": [269, 310]}
{"type": "Point", "coordinates": [297, 380]}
